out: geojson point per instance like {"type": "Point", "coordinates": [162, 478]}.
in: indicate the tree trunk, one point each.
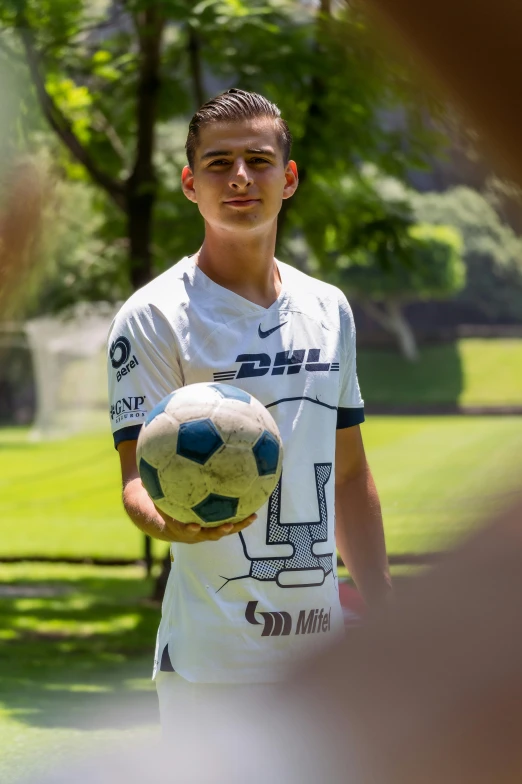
{"type": "Point", "coordinates": [392, 319]}
{"type": "Point", "coordinates": [314, 117]}
{"type": "Point", "coordinates": [402, 331]}
{"type": "Point", "coordinates": [196, 76]}
{"type": "Point", "coordinates": [141, 186]}
{"type": "Point", "coordinates": [140, 206]}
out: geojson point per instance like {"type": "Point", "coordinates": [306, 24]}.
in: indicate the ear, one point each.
{"type": "Point", "coordinates": [292, 179]}
{"type": "Point", "coordinates": [187, 184]}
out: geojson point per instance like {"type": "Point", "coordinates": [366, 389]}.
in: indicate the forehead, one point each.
{"type": "Point", "coordinates": [238, 136]}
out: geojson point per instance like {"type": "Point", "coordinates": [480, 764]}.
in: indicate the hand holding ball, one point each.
{"type": "Point", "coordinates": [209, 454]}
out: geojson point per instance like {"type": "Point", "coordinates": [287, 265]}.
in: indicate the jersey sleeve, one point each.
{"type": "Point", "coordinates": [143, 366]}
{"type": "Point", "coordinates": [350, 410]}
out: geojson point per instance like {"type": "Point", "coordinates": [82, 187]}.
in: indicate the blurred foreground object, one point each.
{"type": "Point", "coordinates": [474, 49]}
{"type": "Point", "coordinates": [430, 692]}
{"type": "Point", "coordinates": [23, 195]}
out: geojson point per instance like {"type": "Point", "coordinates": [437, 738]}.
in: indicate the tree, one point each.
{"type": "Point", "coordinates": [365, 238]}
{"type": "Point", "coordinates": [76, 264]}
{"type": "Point", "coordinates": [434, 270]}
{"type": "Point", "coordinates": [115, 89]}
{"type": "Point", "coordinates": [492, 251]}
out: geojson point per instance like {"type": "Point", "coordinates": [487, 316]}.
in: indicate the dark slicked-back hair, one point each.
{"type": "Point", "coordinates": [234, 105]}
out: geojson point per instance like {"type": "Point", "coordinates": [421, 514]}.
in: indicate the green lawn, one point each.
{"type": "Point", "coordinates": [63, 498]}
{"type": "Point", "coordinates": [76, 642]}
{"type": "Point", "coordinates": [75, 663]}
{"type": "Point", "coordinates": [438, 475]}
{"type": "Point", "coordinates": [467, 372]}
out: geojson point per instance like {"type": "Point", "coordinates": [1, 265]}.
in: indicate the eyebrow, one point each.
{"type": "Point", "coordinates": [250, 151]}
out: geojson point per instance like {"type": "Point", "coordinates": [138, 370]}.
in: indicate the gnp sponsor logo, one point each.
{"type": "Point", "coordinates": [129, 408]}
{"type": "Point", "coordinates": [279, 624]}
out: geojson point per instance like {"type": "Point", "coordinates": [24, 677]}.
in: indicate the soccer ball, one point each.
{"type": "Point", "coordinates": [209, 454]}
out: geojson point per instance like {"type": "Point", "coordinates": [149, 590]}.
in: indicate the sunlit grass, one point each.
{"type": "Point", "coordinates": [77, 642]}
{"type": "Point", "coordinates": [469, 372]}
{"type": "Point", "coordinates": [75, 674]}
{"type": "Point", "coordinates": [438, 476]}
{"type": "Point", "coordinates": [433, 474]}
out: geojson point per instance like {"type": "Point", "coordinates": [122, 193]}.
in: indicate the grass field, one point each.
{"type": "Point", "coordinates": [468, 372]}
{"type": "Point", "coordinates": [76, 641]}
{"type": "Point", "coordinates": [75, 662]}
{"type": "Point", "coordinates": [433, 473]}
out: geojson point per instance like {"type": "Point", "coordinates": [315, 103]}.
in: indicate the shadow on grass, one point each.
{"type": "Point", "coordinates": [435, 379]}
{"type": "Point", "coordinates": [77, 653]}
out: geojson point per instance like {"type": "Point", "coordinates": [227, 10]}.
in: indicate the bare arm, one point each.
{"type": "Point", "coordinates": [145, 515]}
{"type": "Point", "coordinates": [359, 528]}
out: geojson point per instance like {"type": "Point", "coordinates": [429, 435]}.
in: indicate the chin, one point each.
{"type": "Point", "coordinates": [244, 222]}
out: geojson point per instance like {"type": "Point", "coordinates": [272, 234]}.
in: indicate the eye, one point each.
{"type": "Point", "coordinates": [218, 162]}
{"type": "Point", "coordinates": [256, 161]}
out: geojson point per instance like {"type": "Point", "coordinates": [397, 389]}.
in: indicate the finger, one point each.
{"type": "Point", "coordinates": [215, 534]}
{"type": "Point", "coordinates": [243, 524]}
{"type": "Point", "coordinates": [247, 521]}
{"type": "Point", "coordinates": [228, 528]}
{"type": "Point", "coordinates": [193, 528]}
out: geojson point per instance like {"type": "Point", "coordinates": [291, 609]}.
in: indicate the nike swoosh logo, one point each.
{"type": "Point", "coordinates": [269, 331]}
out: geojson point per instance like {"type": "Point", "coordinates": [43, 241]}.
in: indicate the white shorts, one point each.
{"type": "Point", "coordinates": [214, 732]}
{"type": "Point", "coordinates": [182, 702]}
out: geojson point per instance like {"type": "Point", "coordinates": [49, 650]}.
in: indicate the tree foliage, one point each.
{"type": "Point", "coordinates": [433, 270]}
{"type": "Point", "coordinates": [365, 237]}
{"type": "Point", "coordinates": [492, 250]}
{"type": "Point", "coordinates": [116, 83]}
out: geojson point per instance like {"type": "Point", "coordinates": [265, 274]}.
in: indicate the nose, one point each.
{"type": "Point", "coordinates": [240, 176]}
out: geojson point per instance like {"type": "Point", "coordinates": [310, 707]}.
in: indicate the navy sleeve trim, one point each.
{"type": "Point", "coordinates": [349, 417]}
{"type": "Point", "coordinates": [126, 434]}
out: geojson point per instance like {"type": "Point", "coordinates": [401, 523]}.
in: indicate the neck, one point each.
{"type": "Point", "coordinates": [243, 263]}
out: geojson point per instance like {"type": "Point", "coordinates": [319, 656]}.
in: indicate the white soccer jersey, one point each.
{"type": "Point", "coordinates": [243, 608]}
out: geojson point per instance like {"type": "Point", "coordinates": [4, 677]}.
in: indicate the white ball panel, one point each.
{"type": "Point", "coordinates": [232, 472]}
{"type": "Point", "coordinates": [184, 480]}
{"type": "Point", "coordinates": [200, 394]}
{"type": "Point", "coordinates": [157, 441]}
{"type": "Point", "coordinates": [268, 422]}
{"type": "Point", "coordinates": [188, 410]}
{"type": "Point", "coordinates": [237, 426]}
{"type": "Point", "coordinates": [179, 512]}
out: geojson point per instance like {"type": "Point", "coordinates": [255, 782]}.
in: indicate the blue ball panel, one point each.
{"type": "Point", "coordinates": [215, 508]}
{"type": "Point", "coordinates": [159, 408]}
{"type": "Point", "coordinates": [266, 453]}
{"type": "Point", "coordinates": [227, 390]}
{"type": "Point", "coordinates": [198, 440]}
{"type": "Point", "coordinates": [150, 479]}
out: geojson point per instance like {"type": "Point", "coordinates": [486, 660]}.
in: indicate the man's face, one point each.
{"type": "Point", "coordinates": [239, 179]}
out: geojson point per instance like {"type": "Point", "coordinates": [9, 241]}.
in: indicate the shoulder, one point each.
{"type": "Point", "coordinates": [156, 299]}
{"type": "Point", "coordinates": [314, 293]}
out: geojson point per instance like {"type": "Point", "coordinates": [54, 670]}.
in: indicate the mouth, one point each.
{"type": "Point", "coordinates": [242, 203]}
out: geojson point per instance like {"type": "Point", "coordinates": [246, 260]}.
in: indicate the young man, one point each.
{"type": "Point", "coordinates": [244, 602]}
